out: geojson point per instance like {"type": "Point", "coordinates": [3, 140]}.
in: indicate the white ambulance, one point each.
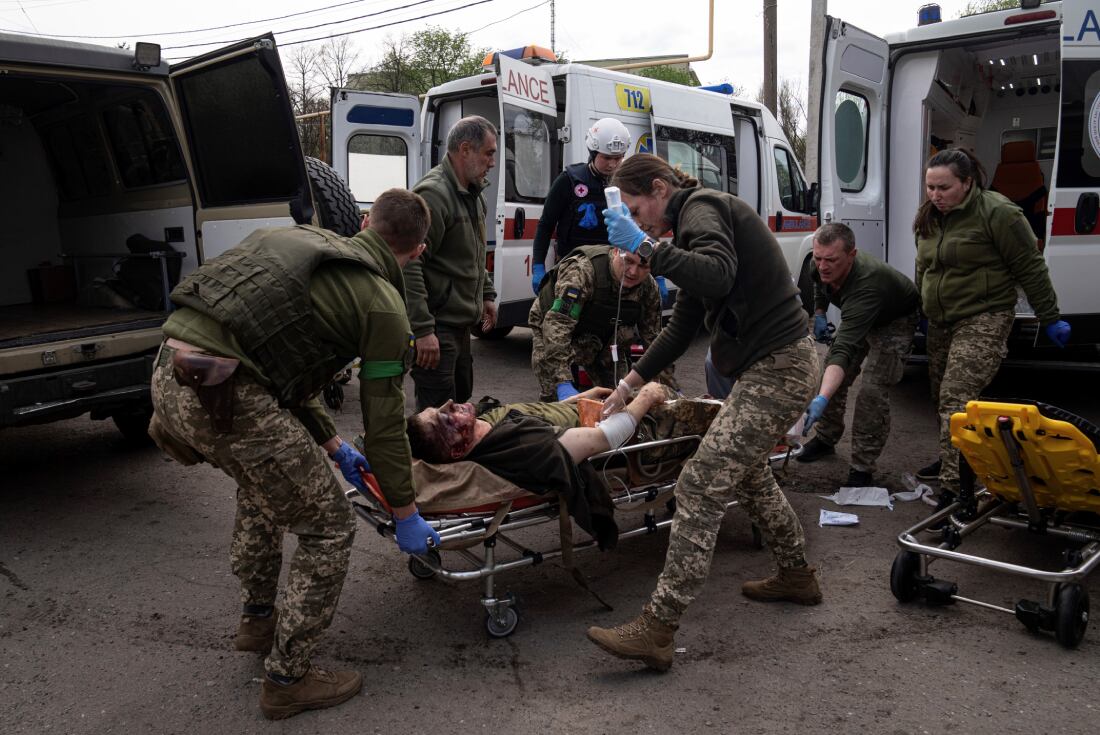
{"type": "Point", "coordinates": [1020, 88]}
{"type": "Point", "coordinates": [542, 110]}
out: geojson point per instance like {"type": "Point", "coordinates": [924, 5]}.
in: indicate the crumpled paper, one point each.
{"type": "Point", "coordinates": [835, 518]}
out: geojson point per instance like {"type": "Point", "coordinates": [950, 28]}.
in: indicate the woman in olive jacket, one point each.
{"type": "Point", "coordinates": [974, 247]}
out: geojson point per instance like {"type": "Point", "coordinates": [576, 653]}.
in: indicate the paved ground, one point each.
{"type": "Point", "coordinates": [117, 609]}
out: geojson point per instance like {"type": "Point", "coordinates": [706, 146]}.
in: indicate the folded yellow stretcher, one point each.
{"type": "Point", "coordinates": [1026, 466]}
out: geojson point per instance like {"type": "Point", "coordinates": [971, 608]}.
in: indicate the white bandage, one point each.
{"type": "Point", "coordinates": [618, 428]}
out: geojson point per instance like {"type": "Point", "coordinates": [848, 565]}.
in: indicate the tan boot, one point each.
{"type": "Point", "coordinates": [644, 639]}
{"type": "Point", "coordinates": [256, 633]}
{"type": "Point", "coordinates": [797, 584]}
{"type": "Point", "coordinates": [316, 690]}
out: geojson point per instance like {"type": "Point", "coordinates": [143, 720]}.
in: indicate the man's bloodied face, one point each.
{"type": "Point", "coordinates": [453, 425]}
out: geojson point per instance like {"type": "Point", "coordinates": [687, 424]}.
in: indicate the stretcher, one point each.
{"type": "Point", "coordinates": [493, 511]}
{"type": "Point", "coordinates": [1025, 466]}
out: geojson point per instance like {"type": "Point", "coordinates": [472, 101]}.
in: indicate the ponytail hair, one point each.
{"type": "Point", "coordinates": [964, 165]}
{"type": "Point", "coordinates": [636, 175]}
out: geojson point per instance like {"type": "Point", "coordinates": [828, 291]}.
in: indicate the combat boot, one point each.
{"type": "Point", "coordinates": [644, 639]}
{"type": "Point", "coordinates": [814, 450]}
{"type": "Point", "coordinates": [316, 690]}
{"type": "Point", "coordinates": [256, 633]}
{"type": "Point", "coordinates": [796, 584]}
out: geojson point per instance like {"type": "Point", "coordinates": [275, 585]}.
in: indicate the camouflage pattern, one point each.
{"type": "Point", "coordinates": [963, 357]}
{"type": "Point", "coordinates": [732, 463]}
{"type": "Point", "coordinates": [881, 358]}
{"type": "Point", "coordinates": [676, 418]}
{"type": "Point", "coordinates": [554, 349]}
{"type": "Point", "coordinates": [284, 481]}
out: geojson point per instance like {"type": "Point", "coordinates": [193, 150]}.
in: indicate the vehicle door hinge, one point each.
{"type": "Point", "coordinates": [564, 134]}
{"type": "Point", "coordinates": [263, 43]}
{"type": "Point", "coordinates": [49, 357]}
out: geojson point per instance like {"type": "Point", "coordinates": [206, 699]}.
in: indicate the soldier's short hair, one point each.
{"type": "Point", "coordinates": [472, 129]}
{"type": "Point", "coordinates": [830, 233]}
{"type": "Point", "coordinates": [424, 442]}
{"type": "Point", "coordinates": [402, 218]}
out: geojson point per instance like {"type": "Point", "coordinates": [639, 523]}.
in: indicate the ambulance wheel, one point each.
{"type": "Point", "coordinates": [334, 203]}
{"type": "Point", "coordinates": [495, 333]}
{"type": "Point", "coordinates": [421, 570]}
{"type": "Point", "coordinates": [502, 624]}
{"type": "Point", "coordinates": [1071, 614]}
{"type": "Point", "coordinates": [903, 576]}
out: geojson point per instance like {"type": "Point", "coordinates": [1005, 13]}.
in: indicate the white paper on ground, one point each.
{"type": "Point", "coordinates": [877, 496]}
{"type": "Point", "coordinates": [920, 492]}
{"type": "Point", "coordinates": [834, 518]}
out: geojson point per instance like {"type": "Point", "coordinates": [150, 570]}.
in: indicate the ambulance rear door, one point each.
{"type": "Point", "coordinates": [376, 143]}
{"type": "Point", "coordinates": [852, 135]}
{"type": "Point", "coordinates": [528, 115]}
{"type": "Point", "coordinates": [1073, 246]}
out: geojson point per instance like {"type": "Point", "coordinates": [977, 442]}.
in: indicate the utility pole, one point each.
{"type": "Point", "coordinates": [552, 47]}
{"type": "Point", "coordinates": [818, 10]}
{"type": "Point", "coordinates": [770, 82]}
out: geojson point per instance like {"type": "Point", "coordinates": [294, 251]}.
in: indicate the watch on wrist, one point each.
{"type": "Point", "coordinates": [645, 250]}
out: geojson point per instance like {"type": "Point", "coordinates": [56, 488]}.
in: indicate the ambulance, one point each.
{"type": "Point", "coordinates": [542, 109]}
{"type": "Point", "coordinates": [1021, 89]}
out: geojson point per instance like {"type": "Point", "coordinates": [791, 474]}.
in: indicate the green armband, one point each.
{"type": "Point", "coordinates": [568, 304]}
{"type": "Point", "coordinates": [375, 369]}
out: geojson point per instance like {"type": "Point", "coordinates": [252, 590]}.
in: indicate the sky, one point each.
{"type": "Point", "coordinates": [585, 29]}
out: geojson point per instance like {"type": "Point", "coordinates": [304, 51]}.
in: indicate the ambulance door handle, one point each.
{"type": "Point", "coordinates": [1084, 217]}
{"type": "Point", "coordinates": [779, 221]}
{"type": "Point", "coordinates": [519, 224]}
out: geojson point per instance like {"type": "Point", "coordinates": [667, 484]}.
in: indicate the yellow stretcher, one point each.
{"type": "Point", "coordinates": [1027, 466]}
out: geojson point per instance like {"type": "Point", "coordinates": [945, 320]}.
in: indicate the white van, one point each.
{"type": "Point", "coordinates": [1020, 88]}
{"type": "Point", "coordinates": [542, 110]}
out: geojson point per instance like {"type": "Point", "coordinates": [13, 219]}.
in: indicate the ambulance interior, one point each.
{"type": "Point", "coordinates": [999, 100]}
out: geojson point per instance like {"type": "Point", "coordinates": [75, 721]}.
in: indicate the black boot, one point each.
{"type": "Point", "coordinates": [931, 472]}
{"type": "Point", "coordinates": [859, 478]}
{"type": "Point", "coordinates": [814, 450]}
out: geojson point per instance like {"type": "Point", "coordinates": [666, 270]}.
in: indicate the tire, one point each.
{"type": "Point", "coordinates": [134, 426]}
{"type": "Point", "coordinates": [492, 334]}
{"type": "Point", "coordinates": [504, 627]}
{"type": "Point", "coordinates": [903, 576]}
{"type": "Point", "coordinates": [419, 569]}
{"type": "Point", "coordinates": [334, 203]}
{"type": "Point", "coordinates": [1071, 614]}
{"type": "Point", "coordinates": [806, 286]}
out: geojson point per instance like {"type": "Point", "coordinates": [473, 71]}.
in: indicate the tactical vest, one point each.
{"type": "Point", "coordinates": [598, 315]}
{"type": "Point", "coordinates": [260, 291]}
{"type": "Point", "coordinates": [570, 233]}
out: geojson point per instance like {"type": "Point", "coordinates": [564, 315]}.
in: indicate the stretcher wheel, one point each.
{"type": "Point", "coordinates": [1071, 614]}
{"type": "Point", "coordinates": [421, 570]}
{"type": "Point", "coordinates": [503, 623]}
{"type": "Point", "coordinates": [903, 576]}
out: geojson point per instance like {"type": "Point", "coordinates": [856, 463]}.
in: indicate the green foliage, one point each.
{"type": "Point", "coordinates": [976, 7]}
{"type": "Point", "coordinates": [669, 74]}
{"type": "Point", "coordinates": [414, 63]}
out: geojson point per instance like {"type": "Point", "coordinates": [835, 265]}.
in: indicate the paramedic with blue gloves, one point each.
{"type": "Point", "coordinates": [575, 203]}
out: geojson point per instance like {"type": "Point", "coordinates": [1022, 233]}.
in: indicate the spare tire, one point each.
{"type": "Point", "coordinates": [334, 203]}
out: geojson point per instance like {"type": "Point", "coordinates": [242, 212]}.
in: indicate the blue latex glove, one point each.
{"type": "Point", "coordinates": [662, 287]}
{"type": "Point", "coordinates": [538, 272]}
{"type": "Point", "coordinates": [1058, 332]}
{"type": "Point", "coordinates": [350, 462]}
{"type": "Point", "coordinates": [566, 390]}
{"type": "Point", "coordinates": [589, 220]}
{"type": "Point", "coordinates": [821, 327]}
{"type": "Point", "coordinates": [413, 533]}
{"type": "Point", "coordinates": [814, 412]}
{"type": "Point", "coordinates": [621, 230]}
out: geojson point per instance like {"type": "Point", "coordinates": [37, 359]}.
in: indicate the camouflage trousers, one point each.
{"type": "Point", "coordinates": [881, 359]}
{"type": "Point", "coordinates": [963, 357]}
{"type": "Point", "coordinates": [587, 352]}
{"type": "Point", "coordinates": [284, 481]}
{"type": "Point", "coordinates": [732, 463]}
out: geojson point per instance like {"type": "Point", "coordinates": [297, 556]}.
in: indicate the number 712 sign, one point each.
{"type": "Point", "coordinates": [631, 98]}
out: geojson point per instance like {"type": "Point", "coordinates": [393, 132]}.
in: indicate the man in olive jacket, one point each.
{"type": "Point", "coordinates": [449, 289]}
{"type": "Point", "coordinates": [258, 332]}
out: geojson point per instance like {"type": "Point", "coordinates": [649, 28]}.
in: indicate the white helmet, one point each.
{"type": "Point", "coordinates": [608, 136]}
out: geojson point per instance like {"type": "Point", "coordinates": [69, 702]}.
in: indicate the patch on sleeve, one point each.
{"type": "Point", "coordinates": [567, 303]}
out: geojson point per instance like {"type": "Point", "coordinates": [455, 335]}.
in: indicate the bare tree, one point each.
{"type": "Point", "coordinates": [302, 77]}
{"type": "Point", "coordinates": [791, 114]}
{"type": "Point", "coordinates": [336, 60]}
{"type": "Point", "coordinates": [394, 72]}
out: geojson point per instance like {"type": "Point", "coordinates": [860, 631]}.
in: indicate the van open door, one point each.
{"type": "Point", "coordinates": [1073, 246]}
{"type": "Point", "coordinates": [376, 142]}
{"type": "Point", "coordinates": [247, 168]}
{"type": "Point", "coordinates": [852, 134]}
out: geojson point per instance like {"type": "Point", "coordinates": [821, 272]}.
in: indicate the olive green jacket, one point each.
{"type": "Point", "coordinates": [976, 256]}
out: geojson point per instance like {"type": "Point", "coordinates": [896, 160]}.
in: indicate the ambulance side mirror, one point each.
{"type": "Point", "coordinates": [812, 201]}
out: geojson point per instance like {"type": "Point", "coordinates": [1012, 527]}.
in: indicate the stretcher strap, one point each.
{"type": "Point", "coordinates": [565, 531]}
{"type": "Point", "coordinates": [494, 524]}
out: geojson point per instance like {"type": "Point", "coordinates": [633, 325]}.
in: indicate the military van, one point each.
{"type": "Point", "coordinates": [542, 110]}
{"type": "Point", "coordinates": [121, 174]}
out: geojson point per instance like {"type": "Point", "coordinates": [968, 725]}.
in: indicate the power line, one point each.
{"type": "Point", "coordinates": [513, 15]}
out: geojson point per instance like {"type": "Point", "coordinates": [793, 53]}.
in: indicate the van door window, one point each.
{"type": "Point", "coordinates": [1079, 149]}
{"type": "Point", "coordinates": [79, 158]}
{"type": "Point", "coordinates": [852, 119]}
{"type": "Point", "coordinates": [709, 157]}
{"type": "Point", "coordinates": [791, 185]}
{"type": "Point", "coordinates": [142, 141]}
{"type": "Point", "coordinates": [527, 155]}
{"type": "Point", "coordinates": [376, 163]}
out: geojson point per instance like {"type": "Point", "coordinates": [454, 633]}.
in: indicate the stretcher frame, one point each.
{"type": "Point", "coordinates": [482, 527]}
{"type": "Point", "coordinates": [1065, 607]}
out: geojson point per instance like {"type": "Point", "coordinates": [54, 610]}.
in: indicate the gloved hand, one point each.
{"type": "Point", "coordinates": [538, 272]}
{"type": "Point", "coordinates": [617, 400]}
{"type": "Point", "coordinates": [351, 461]}
{"type": "Point", "coordinates": [821, 327]}
{"type": "Point", "coordinates": [662, 287]}
{"type": "Point", "coordinates": [1058, 332]}
{"type": "Point", "coordinates": [413, 533]}
{"type": "Point", "coordinates": [621, 230]}
{"type": "Point", "coordinates": [814, 412]}
{"type": "Point", "coordinates": [566, 390]}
